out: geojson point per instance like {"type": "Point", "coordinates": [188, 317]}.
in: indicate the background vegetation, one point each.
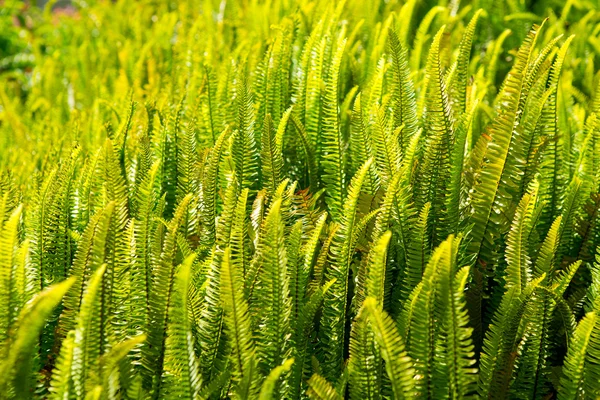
{"type": "Point", "coordinates": [289, 199]}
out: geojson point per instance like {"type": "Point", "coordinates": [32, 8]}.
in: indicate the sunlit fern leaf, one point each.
{"type": "Point", "coordinates": [545, 262]}
{"type": "Point", "coordinates": [9, 296]}
{"type": "Point", "coordinates": [267, 390]}
{"type": "Point", "coordinates": [320, 389]}
{"type": "Point", "coordinates": [187, 168]}
{"type": "Point", "coordinates": [458, 86]}
{"type": "Point", "coordinates": [110, 366]}
{"type": "Point", "coordinates": [393, 196]}
{"type": "Point", "coordinates": [426, 303]}
{"type": "Point", "coordinates": [531, 367]}
{"type": "Point", "coordinates": [253, 275]}
{"type": "Point", "coordinates": [364, 362]}
{"type": "Point", "coordinates": [161, 288]}
{"type": "Point", "coordinates": [563, 279]}
{"type": "Point", "coordinates": [460, 356]}
{"type": "Point", "coordinates": [239, 328]}
{"type": "Point", "coordinates": [406, 14]}
{"type": "Point", "coordinates": [19, 350]}
{"type": "Point", "coordinates": [24, 281]}
{"type": "Point", "coordinates": [87, 346]}
{"type": "Point", "coordinates": [434, 172]}
{"type": "Point", "coordinates": [582, 350]}
{"type": "Point", "coordinates": [61, 386]}
{"type": "Point", "coordinates": [280, 133]}
{"type": "Point", "coordinates": [398, 364]}
{"type": "Point", "coordinates": [490, 191]}
{"type": "Point", "coordinates": [374, 87]}
{"type": "Point", "coordinates": [180, 376]}
{"type": "Point", "coordinates": [244, 148]}
{"type": "Point", "coordinates": [143, 164]}
{"type": "Point", "coordinates": [388, 155]}
{"type": "Point", "coordinates": [208, 205]}
{"type": "Point", "coordinates": [121, 136]}
{"type": "Point", "coordinates": [587, 227]}
{"type": "Point", "coordinates": [304, 303]}
{"type": "Point", "coordinates": [533, 129]}
{"type": "Point", "coordinates": [538, 342]}
{"type": "Point", "coordinates": [332, 159]}
{"type": "Point", "coordinates": [309, 153]}
{"type": "Point", "coordinates": [212, 118]}
{"type": "Point", "coordinates": [396, 214]}
{"type": "Point", "coordinates": [335, 304]}
{"type": "Point", "coordinates": [147, 198]}
{"type": "Point", "coordinates": [457, 196]}
{"type": "Point", "coordinates": [117, 247]}
{"type": "Point", "coordinates": [209, 329]}
{"type": "Point", "coordinates": [126, 299]}
{"type": "Point", "coordinates": [376, 269]}
{"type": "Point", "coordinates": [570, 206]}
{"type": "Point", "coordinates": [297, 273]}
{"type": "Point", "coordinates": [518, 260]}
{"type": "Point", "coordinates": [169, 153]}
{"type": "Point", "coordinates": [52, 250]}
{"type": "Point", "coordinates": [90, 256]}
{"type": "Point", "coordinates": [271, 157]}
{"type": "Point", "coordinates": [421, 36]}
{"type": "Point", "coordinates": [304, 349]}
{"type": "Point", "coordinates": [404, 99]}
{"type": "Point", "coordinates": [361, 144]}
{"type": "Point", "coordinates": [361, 229]}
{"type": "Point", "coordinates": [273, 74]}
{"type": "Point", "coordinates": [273, 337]}
{"type": "Point", "coordinates": [501, 341]}
{"type": "Point", "coordinates": [488, 195]}
{"type": "Point", "coordinates": [554, 176]}
{"type": "Point", "coordinates": [239, 241]}
{"type": "Point", "coordinates": [417, 253]}
{"type": "Point", "coordinates": [310, 90]}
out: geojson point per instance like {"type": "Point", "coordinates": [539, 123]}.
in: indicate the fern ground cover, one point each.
{"type": "Point", "coordinates": [288, 199]}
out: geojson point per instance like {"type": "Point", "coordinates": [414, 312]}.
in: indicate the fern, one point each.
{"type": "Point", "coordinates": [330, 200]}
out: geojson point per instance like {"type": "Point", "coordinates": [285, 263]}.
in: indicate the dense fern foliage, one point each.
{"type": "Point", "coordinates": [289, 199]}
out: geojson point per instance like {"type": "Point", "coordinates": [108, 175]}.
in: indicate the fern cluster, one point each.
{"type": "Point", "coordinates": [291, 199]}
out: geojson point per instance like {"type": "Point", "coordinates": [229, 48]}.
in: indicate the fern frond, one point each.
{"type": "Point", "coordinates": [332, 155]}
{"type": "Point", "coordinates": [273, 338]}
{"type": "Point", "coordinates": [458, 86]}
{"type": "Point", "coordinates": [18, 352]}
{"type": "Point", "coordinates": [320, 389]}
{"type": "Point", "coordinates": [397, 363]}
{"type": "Point", "coordinates": [244, 149]}
{"type": "Point", "coordinates": [271, 158]}
{"type": "Point", "coordinates": [573, 383]}
{"type": "Point", "coordinates": [517, 258]}
{"type": "Point", "coordinates": [237, 320]}
{"type": "Point", "coordinates": [180, 375]}
{"type": "Point", "coordinates": [405, 104]}
{"type": "Point", "coordinates": [335, 303]}
{"type": "Point", "coordinates": [267, 390]}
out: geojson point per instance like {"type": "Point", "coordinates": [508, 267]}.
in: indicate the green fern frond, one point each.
{"type": "Point", "coordinates": [405, 105]}
{"type": "Point", "coordinates": [335, 304]}
{"type": "Point", "coordinates": [397, 363]}
{"type": "Point", "coordinates": [19, 350]}
{"type": "Point", "coordinates": [518, 261]}
{"type": "Point", "coordinates": [239, 326]}
{"type": "Point", "coordinates": [180, 375]}
{"type": "Point", "coordinates": [574, 383]}
{"type": "Point", "coordinates": [332, 155]}
{"type": "Point", "coordinates": [320, 389]}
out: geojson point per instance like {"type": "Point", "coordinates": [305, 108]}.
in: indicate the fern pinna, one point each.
{"type": "Point", "coordinates": [300, 199]}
